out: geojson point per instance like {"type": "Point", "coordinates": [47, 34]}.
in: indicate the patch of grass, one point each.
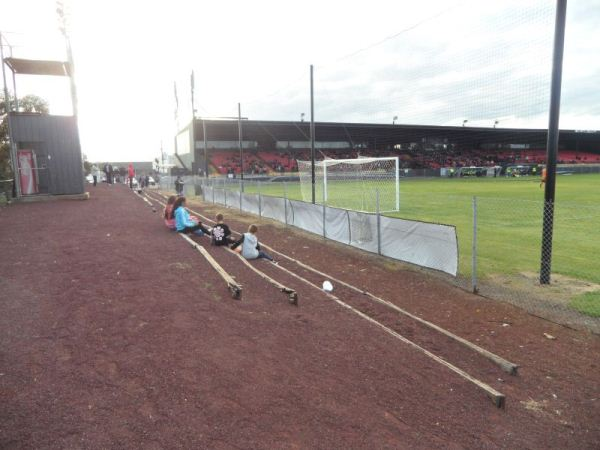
{"type": "Point", "coordinates": [588, 303]}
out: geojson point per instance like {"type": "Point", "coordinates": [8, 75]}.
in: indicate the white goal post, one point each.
{"type": "Point", "coordinates": [353, 183]}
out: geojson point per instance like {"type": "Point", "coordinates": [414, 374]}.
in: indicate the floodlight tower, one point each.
{"type": "Point", "coordinates": [63, 25]}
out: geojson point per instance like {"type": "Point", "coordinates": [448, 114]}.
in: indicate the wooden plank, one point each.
{"type": "Point", "coordinates": [232, 285]}
{"type": "Point", "coordinates": [505, 365]}
{"type": "Point", "coordinates": [292, 294]}
{"type": "Point", "coordinates": [497, 398]}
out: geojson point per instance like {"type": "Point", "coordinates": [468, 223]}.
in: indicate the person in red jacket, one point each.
{"type": "Point", "coordinates": [131, 173]}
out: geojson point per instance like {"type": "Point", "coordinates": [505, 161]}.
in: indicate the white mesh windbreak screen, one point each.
{"type": "Point", "coordinates": [363, 231]}
{"type": "Point", "coordinates": [233, 199]}
{"type": "Point", "coordinates": [220, 196]}
{"type": "Point", "coordinates": [273, 208]}
{"type": "Point", "coordinates": [425, 244]}
{"type": "Point", "coordinates": [337, 225]}
{"type": "Point", "coordinates": [353, 183]}
{"type": "Point", "coordinates": [307, 216]}
{"type": "Point", "coordinates": [250, 203]}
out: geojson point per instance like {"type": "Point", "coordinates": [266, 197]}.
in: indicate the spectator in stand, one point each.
{"type": "Point", "coordinates": [184, 222]}
{"type": "Point", "coordinates": [250, 246]}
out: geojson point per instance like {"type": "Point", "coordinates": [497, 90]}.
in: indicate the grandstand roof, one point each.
{"type": "Point", "coordinates": [265, 132]}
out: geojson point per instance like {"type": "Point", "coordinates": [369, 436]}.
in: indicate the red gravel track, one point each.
{"type": "Point", "coordinates": [115, 333]}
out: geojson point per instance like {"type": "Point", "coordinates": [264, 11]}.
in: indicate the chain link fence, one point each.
{"type": "Point", "coordinates": [499, 240]}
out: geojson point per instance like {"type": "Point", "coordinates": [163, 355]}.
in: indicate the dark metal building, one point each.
{"type": "Point", "coordinates": [48, 154]}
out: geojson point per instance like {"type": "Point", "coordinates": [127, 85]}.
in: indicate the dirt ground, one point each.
{"type": "Point", "coordinates": [115, 333]}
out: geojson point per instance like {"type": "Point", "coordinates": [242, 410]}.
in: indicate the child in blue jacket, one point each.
{"type": "Point", "coordinates": [183, 221]}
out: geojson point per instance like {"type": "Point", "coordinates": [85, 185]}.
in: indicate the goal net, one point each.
{"type": "Point", "coordinates": [353, 183]}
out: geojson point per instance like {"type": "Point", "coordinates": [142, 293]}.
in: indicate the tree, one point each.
{"type": "Point", "coordinates": [29, 103]}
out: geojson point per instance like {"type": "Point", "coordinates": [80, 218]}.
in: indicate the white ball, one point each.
{"type": "Point", "coordinates": [327, 286]}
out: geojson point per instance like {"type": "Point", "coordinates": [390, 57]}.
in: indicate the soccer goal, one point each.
{"type": "Point", "coordinates": [353, 183]}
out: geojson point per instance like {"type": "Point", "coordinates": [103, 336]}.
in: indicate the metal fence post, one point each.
{"type": "Point", "coordinates": [324, 213]}
{"type": "Point", "coordinates": [225, 196]}
{"type": "Point", "coordinates": [241, 190]}
{"type": "Point", "coordinates": [213, 192]}
{"type": "Point", "coordinates": [285, 202]}
{"type": "Point", "coordinates": [324, 220]}
{"type": "Point", "coordinates": [474, 249]}
{"type": "Point", "coordinates": [378, 222]}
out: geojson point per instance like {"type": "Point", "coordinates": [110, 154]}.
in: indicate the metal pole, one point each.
{"type": "Point", "coordinates": [14, 78]}
{"type": "Point", "coordinates": [312, 134]}
{"type": "Point", "coordinates": [552, 146]}
{"type": "Point", "coordinates": [72, 77]}
{"type": "Point", "coordinates": [324, 213]}
{"type": "Point", "coordinates": [397, 184]}
{"type": "Point", "coordinates": [474, 249]}
{"type": "Point", "coordinates": [259, 199]}
{"type": "Point", "coordinates": [205, 148]}
{"type": "Point", "coordinates": [285, 201]}
{"type": "Point", "coordinates": [240, 139]}
{"type": "Point", "coordinates": [6, 99]}
{"type": "Point", "coordinates": [12, 147]}
{"type": "Point", "coordinates": [241, 190]}
{"type": "Point", "coordinates": [378, 222]}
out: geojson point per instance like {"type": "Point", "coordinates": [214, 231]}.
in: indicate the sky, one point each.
{"type": "Point", "coordinates": [430, 62]}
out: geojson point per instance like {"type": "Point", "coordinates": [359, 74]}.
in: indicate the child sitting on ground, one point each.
{"type": "Point", "coordinates": [183, 222]}
{"type": "Point", "coordinates": [168, 214]}
{"type": "Point", "coordinates": [220, 233]}
{"type": "Point", "coordinates": [250, 247]}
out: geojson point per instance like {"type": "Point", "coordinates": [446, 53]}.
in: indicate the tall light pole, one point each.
{"type": "Point", "coordinates": [63, 25]}
{"type": "Point", "coordinates": [312, 135]}
{"type": "Point", "coordinates": [552, 145]}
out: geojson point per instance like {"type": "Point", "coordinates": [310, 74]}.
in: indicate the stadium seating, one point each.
{"type": "Point", "coordinates": [284, 161]}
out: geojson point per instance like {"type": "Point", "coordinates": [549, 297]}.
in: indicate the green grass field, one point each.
{"type": "Point", "coordinates": [509, 213]}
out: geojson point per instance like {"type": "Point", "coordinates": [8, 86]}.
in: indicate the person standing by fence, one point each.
{"type": "Point", "coordinates": [94, 170]}
{"type": "Point", "coordinates": [179, 185]}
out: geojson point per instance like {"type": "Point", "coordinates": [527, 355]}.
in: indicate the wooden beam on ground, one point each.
{"type": "Point", "coordinates": [505, 365]}
{"type": "Point", "coordinates": [497, 398]}
{"type": "Point", "coordinates": [232, 285]}
{"type": "Point", "coordinates": [292, 294]}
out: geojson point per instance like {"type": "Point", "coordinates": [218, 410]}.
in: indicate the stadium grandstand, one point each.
{"type": "Point", "coordinates": [272, 148]}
